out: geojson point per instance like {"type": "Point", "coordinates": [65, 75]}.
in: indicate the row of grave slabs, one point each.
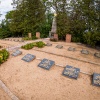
{"type": "Point", "coordinates": [69, 71]}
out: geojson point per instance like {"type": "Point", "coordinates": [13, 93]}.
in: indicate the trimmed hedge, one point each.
{"type": "Point", "coordinates": [28, 46]}
{"type": "Point", "coordinates": [4, 54]}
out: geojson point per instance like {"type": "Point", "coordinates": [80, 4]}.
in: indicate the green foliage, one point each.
{"type": "Point", "coordinates": [39, 44]}
{"type": "Point", "coordinates": [28, 46]}
{"type": "Point", "coordinates": [4, 29]}
{"type": "Point", "coordinates": [3, 55]}
{"type": "Point", "coordinates": [91, 38]}
{"type": "Point", "coordinates": [27, 38]}
{"type": "Point", "coordinates": [34, 38]}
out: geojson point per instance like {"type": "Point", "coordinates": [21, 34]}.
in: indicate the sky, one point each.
{"type": "Point", "coordinates": [5, 6]}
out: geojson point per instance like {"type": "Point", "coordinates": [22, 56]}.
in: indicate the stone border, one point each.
{"type": "Point", "coordinates": [9, 93]}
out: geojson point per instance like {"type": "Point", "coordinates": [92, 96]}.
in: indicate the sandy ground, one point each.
{"type": "Point", "coordinates": [30, 82]}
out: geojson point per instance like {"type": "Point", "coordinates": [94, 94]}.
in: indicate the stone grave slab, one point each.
{"type": "Point", "coordinates": [48, 44]}
{"type": "Point", "coordinates": [71, 49]}
{"type": "Point", "coordinates": [28, 57]}
{"type": "Point", "coordinates": [71, 72]}
{"type": "Point", "coordinates": [96, 79]}
{"type": "Point", "coordinates": [16, 53]}
{"type": "Point", "coordinates": [97, 54]}
{"type": "Point", "coordinates": [79, 43]}
{"type": "Point", "coordinates": [46, 64]}
{"type": "Point", "coordinates": [84, 51]}
{"type": "Point", "coordinates": [59, 46]}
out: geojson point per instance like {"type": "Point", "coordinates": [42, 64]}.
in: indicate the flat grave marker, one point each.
{"type": "Point", "coordinates": [96, 79]}
{"type": "Point", "coordinates": [28, 57]}
{"type": "Point", "coordinates": [46, 64]}
{"type": "Point", "coordinates": [16, 53]}
{"type": "Point", "coordinates": [84, 51]}
{"type": "Point", "coordinates": [71, 72]}
{"type": "Point", "coordinates": [71, 49]}
{"type": "Point", "coordinates": [59, 46]}
{"type": "Point", "coordinates": [48, 44]}
{"type": "Point", "coordinates": [97, 54]}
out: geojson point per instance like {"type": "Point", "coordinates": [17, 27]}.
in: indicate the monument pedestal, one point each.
{"type": "Point", "coordinates": [56, 36]}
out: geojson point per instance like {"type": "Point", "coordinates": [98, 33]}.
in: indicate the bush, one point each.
{"type": "Point", "coordinates": [39, 44]}
{"type": "Point", "coordinates": [34, 37]}
{"type": "Point", "coordinates": [91, 38]}
{"type": "Point", "coordinates": [28, 46]}
{"type": "Point", "coordinates": [4, 54]}
{"type": "Point", "coordinates": [27, 38]}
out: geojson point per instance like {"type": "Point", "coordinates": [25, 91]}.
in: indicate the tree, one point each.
{"type": "Point", "coordinates": [28, 16]}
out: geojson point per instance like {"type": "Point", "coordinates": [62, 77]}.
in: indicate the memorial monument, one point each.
{"type": "Point", "coordinates": [53, 32]}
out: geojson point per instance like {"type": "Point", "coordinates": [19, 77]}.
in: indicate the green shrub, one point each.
{"type": "Point", "coordinates": [34, 37]}
{"type": "Point", "coordinates": [91, 38]}
{"type": "Point", "coordinates": [28, 46]}
{"type": "Point", "coordinates": [39, 44]}
{"type": "Point", "coordinates": [27, 38]}
{"type": "Point", "coordinates": [4, 54]}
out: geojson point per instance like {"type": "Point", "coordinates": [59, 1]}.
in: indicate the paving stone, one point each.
{"type": "Point", "coordinates": [28, 57]}
{"type": "Point", "coordinates": [59, 46]}
{"type": "Point", "coordinates": [46, 64]}
{"type": "Point", "coordinates": [85, 51]}
{"type": "Point", "coordinates": [71, 72]}
{"type": "Point", "coordinates": [97, 54]}
{"type": "Point", "coordinates": [96, 79]}
{"type": "Point", "coordinates": [71, 49]}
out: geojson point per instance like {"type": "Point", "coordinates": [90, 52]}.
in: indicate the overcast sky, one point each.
{"type": "Point", "coordinates": [5, 6]}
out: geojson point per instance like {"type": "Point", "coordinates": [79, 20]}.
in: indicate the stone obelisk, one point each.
{"type": "Point", "coordinates": [54, 27]}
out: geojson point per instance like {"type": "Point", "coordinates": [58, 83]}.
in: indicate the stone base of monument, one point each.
{"type": "Point", "coordinates": [56, 36]}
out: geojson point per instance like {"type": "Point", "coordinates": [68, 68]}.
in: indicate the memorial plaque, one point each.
{"type": "Point", "coordinates": [48, 44]}
{"type": "Point", "coordinates": [71, 49]}
{"type": "Point", "coordinates": [71, 72]}
{"type": "Point", "coordinates": [97, 54]}
{"type": "Point", "coordinates": [46, 64]}
{"type": "Point", "coordinates": [96, 79]}
{"type": "Point", "coordinates": [59, 46]}
{"type": "Point", "coordinates": [16, 53]}
{"type": "Point", "coordinates": [85, 51]}
{"type": "Point", "coordinates": [28, 57]}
